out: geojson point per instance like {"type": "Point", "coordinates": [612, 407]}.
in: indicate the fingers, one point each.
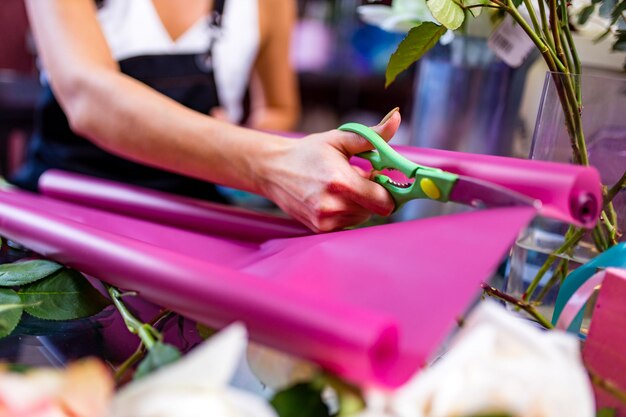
{"type": "Point", "coordinates": [351, 143]}
{"type": "Point", "coordinates": [337, 213]}
{"type": "Point", "coordinates": [369, 195]}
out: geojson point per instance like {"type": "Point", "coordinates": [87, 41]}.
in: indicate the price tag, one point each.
{"type": "Point", "coordinates": [510, 43]}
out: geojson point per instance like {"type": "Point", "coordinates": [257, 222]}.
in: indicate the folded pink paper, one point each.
{"type": "Point", "coordinates": [370, 304]}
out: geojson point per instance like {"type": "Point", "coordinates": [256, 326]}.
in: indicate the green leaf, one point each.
{"type": "Point", "coordinates": [416, 43]}
{"type": "Point", "coordinates": [585, 14]}
{"type": "Point", "coordinates": [300, 400]}
{"type": "Point", "coordinates": [517, 3]}
{"type": "Point", "coordinates": [65, 295]}
{"type": "Point", "coordinates": [11, 308]}
{"type": "Point", "coordinates": [617, 11]}
{"type": "Point", "coordinates": [447, 12]}
{"type": "Point", "coordinates": [160, 354]}
{"type": "Point", "coordinates": [204, 331]}
{"type": "Point", "coordinates": [620, 43]}
{"type": "Point", "coordinates": [476, 10]}
{"type": "Point", "coordinates": [20, 273]}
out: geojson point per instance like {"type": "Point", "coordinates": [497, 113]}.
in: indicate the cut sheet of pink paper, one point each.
{"type": "Point", "coordinates": [562, 188]}
{"type": "Point", "coordinates": [604, 350]}
{"type": "Point", "coordinates": [371, 304]}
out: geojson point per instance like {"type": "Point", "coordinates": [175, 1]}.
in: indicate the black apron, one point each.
{"type": "Point", "coordinates": [187, 78]}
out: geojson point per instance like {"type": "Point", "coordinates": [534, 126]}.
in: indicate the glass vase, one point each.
{"type": "Point", "coordinates": [604, 127]}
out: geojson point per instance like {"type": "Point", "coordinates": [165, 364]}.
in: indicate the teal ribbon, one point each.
{"type": "Point", "coordinates": [614, 257]}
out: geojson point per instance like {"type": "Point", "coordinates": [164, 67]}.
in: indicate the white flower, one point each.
{"type": "Point", "coordinates": [400, 17]}
{"type": "Point", "coordinates": [195, 386]}
{"type": "Point", "coordinates": [276, 369]}
{"type": "Point", "coordinates": [498, 363]}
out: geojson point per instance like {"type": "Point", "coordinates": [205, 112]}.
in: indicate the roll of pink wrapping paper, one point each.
{"type": "Point", "coordinates": [174, 210]}
{"type": "Point", "coordinates": [371, 304]}
{"type": "Point", "coordinates": [570, 193]}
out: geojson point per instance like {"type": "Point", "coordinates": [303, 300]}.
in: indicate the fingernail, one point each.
{"type": "Point", "coordinates": [388, 116]}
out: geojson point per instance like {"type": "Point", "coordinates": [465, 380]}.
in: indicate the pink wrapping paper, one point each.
{"type": "Point", "coordinates": [218, 219]}
{"type": "Point", "coordinates": [604, 349]}
{"type": "Point", "coordinates": [370, 304]}
{"type": "Point", "coordinates": [565, 190]}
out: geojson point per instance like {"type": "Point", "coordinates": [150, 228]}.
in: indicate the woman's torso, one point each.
{"type": "Point", "coordinates": [180, 68]}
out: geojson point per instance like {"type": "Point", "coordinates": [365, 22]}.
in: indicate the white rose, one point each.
{"type": "Point", "coordinates": [499, 363]}
{"type": "Point", "coordinates": [278, 370]}
{"type": "Point", "coordinates": [195, 386]}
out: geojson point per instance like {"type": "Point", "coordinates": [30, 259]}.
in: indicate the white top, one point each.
{"type": "Point", "coordinates": [133, 28]}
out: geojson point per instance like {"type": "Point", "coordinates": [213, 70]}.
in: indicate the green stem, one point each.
{"type": "Point", "coordinates": [533, 15]}
{"type": "Point", "coordinates": [558, 47]}
{"type": "Point", "coordinates": [616, 188]}
{"type": "Point", "coordinates": [572, 237]}
{"type": "Point", "coordinates": [545, 28]}
{"type": "Point", "coordinates": [557, 277]}
{"type": "Point", "coordinates": [599, 239]}
{"type": "Point", "coordinates": [148, 335]}
{"type": "Point", "coordinates": [546, 52]}
{"type": "Point", "coordinates": [573, 52]}
{"type": "Point", "coordinates": [607, 386]}
{"type": "Point", "coordinates": [130, 362]}
{"type": "Point", "coordinates": [610, 228]}
{"type": "Point", "coordinates": [519, 303]}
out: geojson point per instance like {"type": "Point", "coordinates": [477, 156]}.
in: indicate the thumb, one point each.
{"type": "Point", "coordinates": [351, 143]}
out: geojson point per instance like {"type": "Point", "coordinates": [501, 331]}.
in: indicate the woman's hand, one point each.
{"type": "Point", "coordinates": [311, 179]}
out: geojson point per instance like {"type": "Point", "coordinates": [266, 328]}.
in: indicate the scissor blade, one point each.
{"type": "Point", "coordinates": [477, 193]}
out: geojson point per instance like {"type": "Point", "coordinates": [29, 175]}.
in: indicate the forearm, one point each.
{"type": "Point", "coordinates": [145, 126]}
{"type": "Point", "coordinates": [274, 119]}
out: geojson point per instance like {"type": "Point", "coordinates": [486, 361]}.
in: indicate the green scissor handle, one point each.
{"type": "Point", "coordinates": [429, 183]}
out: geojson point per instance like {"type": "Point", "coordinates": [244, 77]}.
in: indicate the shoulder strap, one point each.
{"type": "Point", "coordinates": [218, 11]}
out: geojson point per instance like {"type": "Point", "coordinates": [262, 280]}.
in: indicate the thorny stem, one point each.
{"type": "Point", "coordinates": [519, 303]}
{"type": "Point", "coordinates": [555, 32]}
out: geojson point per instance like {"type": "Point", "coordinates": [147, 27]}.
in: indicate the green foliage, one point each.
{"type": "Point", "coordinates": [300, 400]}
{"type": "Point", "coordinates": [585, 14]}
{"type": "Point", "coordinates": [447, 12]}
{"type": "Point", "coordinates": [620, 43]}
{"type": "Point", "coordinates": [418, 41]}
{"type": "Point", "coordinates": [160, 354]}
{"type": "Point", "coordinates": [26, 272]}
{"type": "Point", "coordinates": [606, 412]}
{"type": "Point", "coordinates": [65, 295]}
{"type": "Point", "coordinates": [11, 308]}
{"type": "Point", "coordinates": [517, 3]}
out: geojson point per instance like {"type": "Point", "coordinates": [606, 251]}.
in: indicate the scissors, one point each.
{"type": "Point", "coordinates": [432, 183]}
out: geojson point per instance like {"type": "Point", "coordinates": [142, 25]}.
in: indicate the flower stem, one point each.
{"type": "Point", "coordinates": [129, 363]}
{"type": "Point", "coordinates": [572, 237]}
{"type": "Point", "coordinates": [519, 303]}
{"type": "Point", "coordinates": [148, 335]}
{"type": "Point", "coordinates": [607, 386]}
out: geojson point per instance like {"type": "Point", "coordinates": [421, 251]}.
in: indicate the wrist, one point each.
{"type": "Point", "coordinates": [263, 165]}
